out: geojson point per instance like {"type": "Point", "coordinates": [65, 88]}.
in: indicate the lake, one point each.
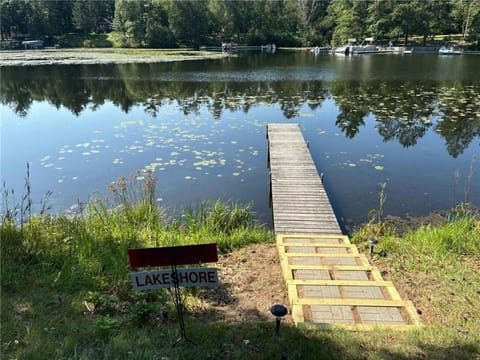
{"type": "Point", "coordinates": [411, 121]}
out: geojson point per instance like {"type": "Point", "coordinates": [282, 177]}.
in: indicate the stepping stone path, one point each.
{"type": "Point", "coordinates": [331, 284]}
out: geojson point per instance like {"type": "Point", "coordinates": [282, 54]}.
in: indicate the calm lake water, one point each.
{"type": "Point", "coordinates": [410, 121]}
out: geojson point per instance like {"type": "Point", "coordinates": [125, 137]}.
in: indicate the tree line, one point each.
{"type": "Point", "coordinates": [172, 23]}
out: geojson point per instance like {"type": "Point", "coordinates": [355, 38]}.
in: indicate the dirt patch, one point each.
{"type": "Point", "coordinates": [406, 224]}
{"type": "Point", "coordinates": [251, 282]}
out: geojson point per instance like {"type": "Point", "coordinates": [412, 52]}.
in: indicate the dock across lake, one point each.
{"type": "Point", "coordinates": [329, 282]}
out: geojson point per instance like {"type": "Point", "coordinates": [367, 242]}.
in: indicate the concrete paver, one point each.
{"type": "Point", "coordinates": [380, 315]}
{"type": "Point", "coordinates": [350, 275]}
{"type": "Point", "coordinates": [331, 314]}
{"type": "Point", "coordinates": [340, 260]}
{"type": "Point", "coordinates": [300, 249]}
{"type": "Point", "coordinates": [321, 291]}
{"type": "Point", "coordinates": [307, 260]}
{"type": "Point", "coordinates": [363, 292]}
{"type": "Point", "coordinates": [303, 274]}
{"type": "Point", "coordinates": [327, 250]}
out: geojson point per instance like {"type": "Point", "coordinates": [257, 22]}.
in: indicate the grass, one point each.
{"type": "Point", "coordinates": [438, 268]}
{"type": "Point", "coordinates": [66, 293]}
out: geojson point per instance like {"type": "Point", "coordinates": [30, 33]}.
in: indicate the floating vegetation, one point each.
{"type": "Point", "coordinates": [127, 123]}
{"type": "Point", "coordinates": [306, 115]}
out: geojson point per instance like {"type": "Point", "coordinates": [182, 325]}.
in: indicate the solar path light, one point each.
{"type": "Point", "coordinates": [279, 311]}
{"type": "Point", "coordinates": [372, 242]}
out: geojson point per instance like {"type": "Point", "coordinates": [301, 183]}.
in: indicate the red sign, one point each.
{"type": "Point", "coordinates": [174, 255]}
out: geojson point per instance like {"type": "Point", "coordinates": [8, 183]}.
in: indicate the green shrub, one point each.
{"type": "Point", "coordinates": [83, 40]}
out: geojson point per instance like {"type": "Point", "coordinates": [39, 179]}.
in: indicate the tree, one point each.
{"type": "Point", "coordinates": [349, 19]}
{"type": "Point", "coordinates": [189, 20]}
{"type": "Point", "coordinates": [11, 19]}
{"type": "Point", "coordinates": [310, 12]}
{"type": "Point", "coordinates": [241, 14]}
{"type": "Point", "coordinates": [220, 25]}
{"type": "Point", "coordinates": [277, 25]}
{"type": "Point", "coordinates": [466, 13]}
{"type": "Point", "coordinates": [84, 15]}
{"type": "Point", "coordinates": [59, 18]}
{"type": "Point", "coordinates": [432, 16]}
{"type": "Point", "coordinates": [87, 15]}
{"type": "Point", "coordinates": [379, 20]}
{"type": "Point", "coordinates": [36, 18]}
{"type": "Point", "coordinates": [157, 33]}
{"type": "Point", "coordinates": [404, 16]}
{"type": "Point", "coordinates": [129, 22]}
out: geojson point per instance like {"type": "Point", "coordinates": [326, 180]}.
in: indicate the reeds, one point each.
{"type": "Point", "coordinates": [91, 246]}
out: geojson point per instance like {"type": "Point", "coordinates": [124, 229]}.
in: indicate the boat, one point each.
{"type": "Point", "coordinates": [319, 50]}
{"type": "Point", "coordinates": [449, 50]}
{"type": "Point", "coordinates": [344, 50]}
{"type": "Point", "coordinates": [366, 47]}
{"type": "Point", "coordinates": [229, 46]}
{"type": "Point", "coordinates": [363, 49]}
{"type": "Point", "coordinates": [269, 48]}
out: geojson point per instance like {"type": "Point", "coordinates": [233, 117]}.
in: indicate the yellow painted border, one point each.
{"type": "Point", "coordinates": [341, 237]}
{"type": "Point", "coordinates": [324, 255]}
{"type": "Point", "coordinates": [333, 267]}
{"type": "Point", "coordinates": [365, 283]}
{"type": "Point", "coordinates": [297, 314]}
{"type": "Point", "coordinates": [356, 327]}
{"type": "Point", "coordinates": [318, 245]}
{"type": "Point", "coordinates": [351, 302]}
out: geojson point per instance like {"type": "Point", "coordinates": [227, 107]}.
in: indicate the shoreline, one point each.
{"type": "Point", "coordinates": [102, 56]}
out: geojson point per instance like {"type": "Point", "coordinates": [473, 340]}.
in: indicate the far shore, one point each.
{"type": "Point", "coordinates": [102, 56]}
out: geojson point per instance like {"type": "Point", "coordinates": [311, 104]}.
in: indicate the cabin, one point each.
{"type": "Point", "coordinates": [32, 44]}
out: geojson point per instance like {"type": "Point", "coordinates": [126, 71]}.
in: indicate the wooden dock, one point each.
{"type": "Point", "coordinates": [330, 284]}
{"type": "Point", "coordinates": [299, 201]}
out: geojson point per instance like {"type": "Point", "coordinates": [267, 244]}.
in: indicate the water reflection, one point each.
{"type": "Point", "coordinates": [200, 127]}
{"type": "Point", "coordinates": [404, 110]}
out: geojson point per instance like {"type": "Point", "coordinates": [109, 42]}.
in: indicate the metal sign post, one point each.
{"type": "Point", "coordinates": [176, 278]}
{"type": "Point", "coordinates": [179, 305]}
